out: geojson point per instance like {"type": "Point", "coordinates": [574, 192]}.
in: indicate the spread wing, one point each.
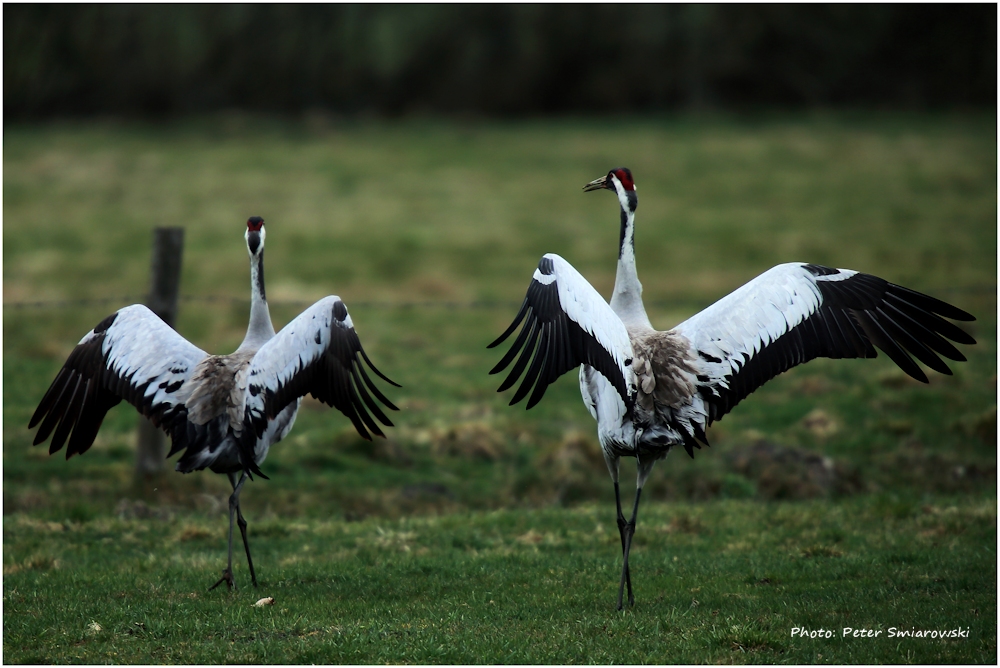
{"type": "Point", "coordinates": [317, 353]}
{"type": "Point", "coordinates": [796, 312]}
{"type": "Point", "coordinates": [566, 323]}
{"type": "Point", "coordinates": [131, 355]}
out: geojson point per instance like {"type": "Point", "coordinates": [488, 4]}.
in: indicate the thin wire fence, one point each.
{"type": "Point", "coordinates": [274, 303]}
{"type": "Point", "coordinates": [482, 304]}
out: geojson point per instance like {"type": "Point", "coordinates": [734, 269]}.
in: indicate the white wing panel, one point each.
{"type": "Point", "coordinates": [585, 306]}
{"type": "Point", "coordinates": [755, 314]}
{"type": "Point", "coordinates": [140, 346]}
{"type": "Point", "coordinates": [299, 344]}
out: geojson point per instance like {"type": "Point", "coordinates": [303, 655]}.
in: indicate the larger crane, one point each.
{"type": "Point", "coordinates": [223, 411]}
{"type": "Point", "coordinates": [651, 391]}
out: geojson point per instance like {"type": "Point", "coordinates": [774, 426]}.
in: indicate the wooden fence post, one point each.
{"type": "Point", "coordinates": [168, 251]}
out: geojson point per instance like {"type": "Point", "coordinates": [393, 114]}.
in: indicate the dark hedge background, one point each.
{"type": "Point", "coordinates": [498, 60]}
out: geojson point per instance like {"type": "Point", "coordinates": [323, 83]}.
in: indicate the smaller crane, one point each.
{"type": "Point", "coordinates": [223, 411]}
{"type": "Point", "coordinates": [651, 391]}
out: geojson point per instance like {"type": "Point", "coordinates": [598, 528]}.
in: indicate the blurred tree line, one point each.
{"type": "Point", "coordinates": [145, 59]}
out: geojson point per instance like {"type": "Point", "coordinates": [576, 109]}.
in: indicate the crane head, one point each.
{"type": "Point", "coordinates": [255, 235]}
{"type": "Point", "coordinates": [619, 181]}
{"type": "Point", "coordinates": [619, 176]}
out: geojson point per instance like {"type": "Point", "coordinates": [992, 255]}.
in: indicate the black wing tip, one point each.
{"type": "Point", "coordinates": [521, 312]}
{"type": "Point", "coordinates": [965, 315]}
{"type": "Point", "coordinates": [935, 305]}
{"type": "Point", "coordinates": [533, 400]}
{"type": "Point", "coordinates": [391, 406]}
{"type": "Point", "coordinates": [383, 376]}
{"type": "Point", "coordinates": [498, 368]}
{"type": "Point", "coordinates": [965, 339]}
{"type": "Point", "coordinates": [518, 399]}
{"type": "Point", "coordinates": [374, 368]}
{"type": "Point", "coordinates": [391, 382]}
{"type": "Point", "coordinates": [916, 373]}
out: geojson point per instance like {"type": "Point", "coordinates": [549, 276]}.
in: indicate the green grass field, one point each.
{"type": "Point", "coordinates": [840, 494]}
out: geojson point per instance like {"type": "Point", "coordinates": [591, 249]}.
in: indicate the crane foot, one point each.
{"type": "Point", "coordinates": [227, 577]}
{"type": "Point", "coordinates": [622, 606]}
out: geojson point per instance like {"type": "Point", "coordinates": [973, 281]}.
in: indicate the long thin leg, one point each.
{"type": "Point", "coordinates": [234, 505]}
{"type": "Point", "coordinates": [621, 532]}
{"type": "Point", "coordinates": [243, 530]}
{"type": "Point", "coordinates": [628, 533]}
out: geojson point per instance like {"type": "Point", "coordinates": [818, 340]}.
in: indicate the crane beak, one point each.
{"type": "Point", "coordinates": [597, 184]}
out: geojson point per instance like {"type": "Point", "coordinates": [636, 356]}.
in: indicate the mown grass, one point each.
{"type": "Point", "coordinates": [385, 551]}
{"type": "Point", "coordinates": [722, 581]}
